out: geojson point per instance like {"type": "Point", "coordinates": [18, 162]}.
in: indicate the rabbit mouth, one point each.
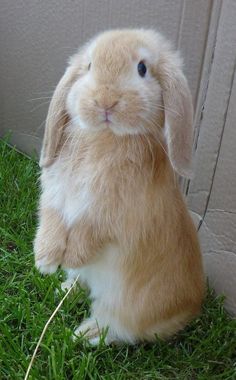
{"type": "Point", "coordinates": [107, 117]}
{"type": "Point", "coordinates": [107, 121]}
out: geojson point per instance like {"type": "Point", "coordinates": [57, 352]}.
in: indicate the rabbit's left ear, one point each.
{"type": "Point", "coordinates": [178, 107]}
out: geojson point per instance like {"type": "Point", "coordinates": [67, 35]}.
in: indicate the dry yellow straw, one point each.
{"type": "Point", "coordinates": [46, 326]}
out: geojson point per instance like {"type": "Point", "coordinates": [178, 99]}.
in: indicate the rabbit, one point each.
{"type": "Point", "coordinates": [118, 132]}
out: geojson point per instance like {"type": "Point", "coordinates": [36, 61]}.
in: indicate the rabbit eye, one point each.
{"type": "Point", "coordinates": [89, 66]}
{"type": "Point", "coordinates": [142, 69]}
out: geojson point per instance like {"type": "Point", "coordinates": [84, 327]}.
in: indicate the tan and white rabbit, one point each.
{"type": "Point", "coordinates": [119, 126]}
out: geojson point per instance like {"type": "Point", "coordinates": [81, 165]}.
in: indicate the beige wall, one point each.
{"type": "Point", "coordinates": [212, 194]}
{"type": "Point", "coordinates": [36, 39]}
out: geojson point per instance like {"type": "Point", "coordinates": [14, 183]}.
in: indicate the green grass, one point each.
{"type": "Point", "coordinates": [205, 350]}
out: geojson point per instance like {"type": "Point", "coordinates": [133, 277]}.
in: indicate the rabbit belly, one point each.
{"type": "Point", "coordinates": [104, 279]}
{"type": "Point", "coordinates": [103, 276]}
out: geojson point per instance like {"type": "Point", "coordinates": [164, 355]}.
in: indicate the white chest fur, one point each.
{"type": "Point", "coordinates": [66, 192]}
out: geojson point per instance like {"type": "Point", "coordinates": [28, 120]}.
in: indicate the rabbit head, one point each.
{"type": "Point", "coordinates": [127, 81]}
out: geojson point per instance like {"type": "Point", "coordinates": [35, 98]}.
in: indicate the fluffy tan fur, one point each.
{"type": "Point", "coordinates": [135, 201]}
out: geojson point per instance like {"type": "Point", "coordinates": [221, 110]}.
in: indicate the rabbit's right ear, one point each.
{"type": "Point", "coordinates": [57, 118]}
{"type": "Point", "coordinates": [178, 107]}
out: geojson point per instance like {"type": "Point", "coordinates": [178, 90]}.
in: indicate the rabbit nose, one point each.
{"type": "Point", "coordinates": [109, 107]}
{"type": "Point", "coordinates": [105, 98]}
{"type": "Point", "coordinates": [106, 105]}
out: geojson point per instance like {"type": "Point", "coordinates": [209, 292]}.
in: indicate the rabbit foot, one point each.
{"type": "Point", "coordinates": [89, 329]}
{"type": "Point", "coordinates": [66, 285]}
{"type": "Point", "coordinates": [44, 267]}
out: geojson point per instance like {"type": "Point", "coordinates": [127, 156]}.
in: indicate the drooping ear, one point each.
{"type": "Point", "coordinates": [178, 107]}
{"type": "Point", "coordinates": [57, 118]}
